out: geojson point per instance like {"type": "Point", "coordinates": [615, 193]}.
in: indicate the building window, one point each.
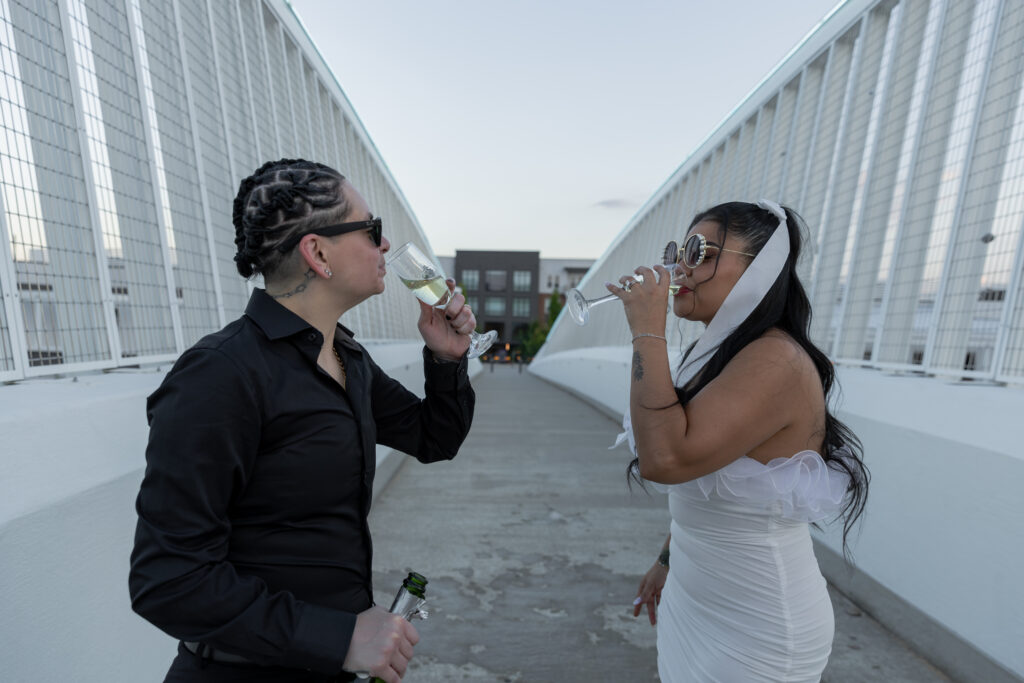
{"type": "Point", "coordinates": [521, 280]}
{"type": "Point", "coordinates": [520, 307]}
{"type": "Point", "coordinates": [495, 280]}
{"type": "Point", "coordinates": [494, 305]}
{"type": "Point", "coordinates": [471, 279]}
{"type": "Point", "coordinates": [471, 301]}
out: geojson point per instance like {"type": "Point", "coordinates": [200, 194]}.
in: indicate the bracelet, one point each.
{"type": "Point", "coordinates": [663, 558]}
{"type": "Point", "coordinates": [648, 334]}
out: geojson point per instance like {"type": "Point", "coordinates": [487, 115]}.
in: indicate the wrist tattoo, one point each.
{"type": "Point", "coordinates": [638, 366]}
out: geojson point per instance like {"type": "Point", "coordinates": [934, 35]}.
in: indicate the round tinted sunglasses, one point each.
{"type": "Point", "coordinates": [373, 226]}
{"type": "Point", "coordinates": [693, 251]}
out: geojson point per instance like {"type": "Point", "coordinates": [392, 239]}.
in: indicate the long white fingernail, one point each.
{"type": "Point", "coordinates": [637, 601]}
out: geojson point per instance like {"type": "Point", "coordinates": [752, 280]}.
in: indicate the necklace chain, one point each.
{"type": "Point", "coordinates": [341, 363]}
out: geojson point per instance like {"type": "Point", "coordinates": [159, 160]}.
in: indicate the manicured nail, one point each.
{"type": "Point", "coordinates": [637, 601]}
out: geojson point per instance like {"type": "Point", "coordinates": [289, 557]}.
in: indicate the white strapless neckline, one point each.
{"type": "Point", "coordinates": [805, 487]}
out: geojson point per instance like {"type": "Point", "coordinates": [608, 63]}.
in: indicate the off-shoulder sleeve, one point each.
{"type": "Point", "coordinates": [807, 488]}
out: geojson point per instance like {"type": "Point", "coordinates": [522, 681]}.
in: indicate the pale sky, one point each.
{"type": "Point", "coordinates": [545, 124]}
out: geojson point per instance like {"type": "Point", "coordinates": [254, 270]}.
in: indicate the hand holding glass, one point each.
{"type": "Point", "coordinates": [427, 281]}
{"type": "Point", "coordinates": [579, 306]}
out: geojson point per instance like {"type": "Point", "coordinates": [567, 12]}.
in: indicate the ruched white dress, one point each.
{"type": "Point", "coordinates": [744, 599]}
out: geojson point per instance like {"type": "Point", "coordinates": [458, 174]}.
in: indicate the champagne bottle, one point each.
{"type": "Point", "coordinates": [409, 600]}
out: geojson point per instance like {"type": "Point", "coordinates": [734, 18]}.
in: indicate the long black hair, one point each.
{"type": "Point", "coordinates": [785, 307]}
{"type": "Point", "coordinates": [278, 200]}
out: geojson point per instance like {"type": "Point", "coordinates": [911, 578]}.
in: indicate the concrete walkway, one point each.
{"type": "Point", "coordinates": [534, 546]}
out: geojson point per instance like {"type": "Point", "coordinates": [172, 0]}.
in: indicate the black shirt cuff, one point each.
{"type": "Point", "coordinates": [445, 374]}
{"type": "Point", "coordinates": [321, 639]}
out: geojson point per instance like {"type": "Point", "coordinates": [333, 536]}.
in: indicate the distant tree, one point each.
{"type": "Point", "coordinates": [537, 333]}
{"type": "Point", "coordinates": [554, 307]}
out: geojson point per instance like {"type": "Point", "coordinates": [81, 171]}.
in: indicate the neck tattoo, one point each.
{"type": "Point", "coordinates": [308, 277]}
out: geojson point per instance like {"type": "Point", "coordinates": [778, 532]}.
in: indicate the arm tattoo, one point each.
{"type": "Point", "coordinates": [638, 367]}
{"type": "Point", "coordinates": [308, 276]}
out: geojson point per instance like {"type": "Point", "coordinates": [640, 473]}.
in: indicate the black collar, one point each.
{"type": "Point", "coordinates": [278, 322]}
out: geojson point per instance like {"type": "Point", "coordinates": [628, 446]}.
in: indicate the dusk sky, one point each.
{"type": "Point", "coordinates": [541, 125]}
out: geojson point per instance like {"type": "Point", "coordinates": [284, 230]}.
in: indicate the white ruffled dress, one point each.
{"type": "Point", "coordinates": [745, 600]}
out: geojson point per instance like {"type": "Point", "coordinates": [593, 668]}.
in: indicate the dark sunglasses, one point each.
{"type": "Point", "coordinates": [373, 226]}
{"type": "Point", "coordinates": [693, 251]}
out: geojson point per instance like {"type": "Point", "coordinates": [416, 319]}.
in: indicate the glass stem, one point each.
{"type": "Point", "coordinates": [604, 299]}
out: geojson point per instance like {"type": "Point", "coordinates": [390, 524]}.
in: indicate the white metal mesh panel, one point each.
{"type": "Point", "coordinates": [251, 12]}
{"type": "Point", "coordinates": [298, 97]}
{"type": "Point", "coordinates": [844, 178]}
{"type": "Point", "coordinates": [862, 265]}
{"type": "Point", "coordinates": [855, 282]}
{"type": "Point", "coordinates": [776, 160]}
{"type": "Point", "coordinates": [800, 148]}
{"type": "Point", "coordinates": [218, 176]}
{"type": "Point", "coordinates": [332, 131]}
{"type": "Point", "coordinates": [122, 183]}
{"type": "Point", "coordinates": [311, 93]}
{"type": "Point", "coordinates": [976, 268]}
{"type": "Point", "coordinates": [888, 346]}
{"type": "Point", "coordinates": [44, 196]}
{"type": "Point", "coordinates": [826, 129]}
{"type": "Point", "coordinates": [901, 142]}
{"type": "Point", "coordinates": [107, 246]}
{"type": "Point", "coordinates": [177, 176]}
{"type": "Point", "coordinates": [762, 147]}
{"type": "Point", "coordinates": [237, 109]}
{"type": "Point", "coordinates": [1011, 368]}
{"type": "Point", "coordinates": [276, 93]}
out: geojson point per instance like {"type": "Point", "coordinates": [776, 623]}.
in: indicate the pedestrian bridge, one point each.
{"type": "Point", "coordinates": [531, 540]}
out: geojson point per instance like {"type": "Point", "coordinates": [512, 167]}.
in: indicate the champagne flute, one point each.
{"type": "Point", "coordinates": [579, 306]}
{"type": "Point", "coordinates": [426, 280]}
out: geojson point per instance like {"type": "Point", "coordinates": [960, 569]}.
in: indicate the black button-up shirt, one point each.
{"type": "Point", "coordinates": [252, 534]}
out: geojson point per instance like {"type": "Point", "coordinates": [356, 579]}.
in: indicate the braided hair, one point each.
{"type": "Point", "coordinates": [280, 199]}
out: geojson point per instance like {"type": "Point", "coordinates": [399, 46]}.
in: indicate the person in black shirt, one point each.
{"type": "Point", "coordinates": [252, 545]}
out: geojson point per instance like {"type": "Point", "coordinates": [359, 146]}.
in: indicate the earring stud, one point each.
{"type": "Point", "coordinates": [327, 272]}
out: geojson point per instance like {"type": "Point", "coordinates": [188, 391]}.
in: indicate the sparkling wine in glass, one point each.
{"type": "Point", "coordinates": [579, 306]}
{"type": "Point", "coordinates": [427, 281]}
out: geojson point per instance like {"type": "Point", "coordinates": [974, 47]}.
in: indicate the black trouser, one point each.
{"type": "Point", "coordinates": [188, 667]}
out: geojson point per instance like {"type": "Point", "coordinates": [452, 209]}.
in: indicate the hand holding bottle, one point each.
{"type": "Point", "coordinates": [382, 643]}
{"type": "Point", "coordinates": [408, 604]}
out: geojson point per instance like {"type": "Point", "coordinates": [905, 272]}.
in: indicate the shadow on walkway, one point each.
{"type": "Point", "coordinates": [533, 546]}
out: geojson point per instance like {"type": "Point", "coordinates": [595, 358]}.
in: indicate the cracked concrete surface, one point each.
{"type": "Point", "coordinates": [533, 547]}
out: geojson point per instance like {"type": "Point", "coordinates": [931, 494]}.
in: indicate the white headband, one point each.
{"type": "Point", "coordinates": [745, 296]}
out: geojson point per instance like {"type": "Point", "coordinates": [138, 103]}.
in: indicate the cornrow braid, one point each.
{"type": "Point", "coordinates": [278, 200]}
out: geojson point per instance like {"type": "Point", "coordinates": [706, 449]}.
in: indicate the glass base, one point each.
{"type": "Point", "coordinates": [479, 343]}
{"type": "Point", "coordinates": [579, 308]}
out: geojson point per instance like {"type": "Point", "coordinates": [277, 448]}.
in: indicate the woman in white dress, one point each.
{"type": "Point", "coordinates": [743, 438]}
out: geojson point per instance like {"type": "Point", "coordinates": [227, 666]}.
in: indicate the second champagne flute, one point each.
{"type": "Point", "coordinates": [579, 306]}
{"type": "Point", "coordinates": [427, 281]}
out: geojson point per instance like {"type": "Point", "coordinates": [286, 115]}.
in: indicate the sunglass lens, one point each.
{"type": "Point", "coordinates": [671, 255]}
{"type": "Point", "coordinates": [375, 232]}
{"type": "Point", "coordinates": [692, 256]}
